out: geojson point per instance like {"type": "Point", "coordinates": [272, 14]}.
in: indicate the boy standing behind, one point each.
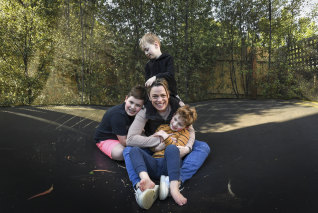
{"type": "Point", "coordinates": [160, 64]}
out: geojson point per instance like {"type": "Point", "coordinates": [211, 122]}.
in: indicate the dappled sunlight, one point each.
{"type": "Point", "coordinates": [252, 117]}
{"type": "Point", "coordinates": [218, 115]}
{"type": "Point", "coordinates": [80, 111]}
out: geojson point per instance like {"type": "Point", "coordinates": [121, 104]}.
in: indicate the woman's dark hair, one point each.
{"type": "Point", "coordinates": [160, 82]}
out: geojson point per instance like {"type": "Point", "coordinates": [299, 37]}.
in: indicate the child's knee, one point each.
{"type": "Point", "coordinates": [117, 152]}
{"type": "Point", "coordinates": [171, 148]}
{"type": "Point", "coordinates": [117, 156]}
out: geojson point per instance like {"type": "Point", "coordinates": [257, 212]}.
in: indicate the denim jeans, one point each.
{"type": "Point", "coordinates": [155, 167]}
{"type": "Point", "coordinates": [190, 165]}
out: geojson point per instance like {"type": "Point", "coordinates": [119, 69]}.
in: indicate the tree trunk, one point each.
{"type": "Point", "coordinates": [82, 49]}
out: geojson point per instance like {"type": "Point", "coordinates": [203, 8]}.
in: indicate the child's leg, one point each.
{"type": "Point", "coordinates": [111, 148]}
{"type": "Point", "coordinates": [143, 164]}
{"type": "Point", "coordinates": [175, 193]}
{"type": "Point", "coordinates": [117, 152]}
{"type": "Point", "coordinates": [172, 157]}
{"type": "Point", "coordinates": [193, 161]}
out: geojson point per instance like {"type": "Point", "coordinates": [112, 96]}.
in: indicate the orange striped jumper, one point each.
{"type": "Point", "coordinates": [181, 137]}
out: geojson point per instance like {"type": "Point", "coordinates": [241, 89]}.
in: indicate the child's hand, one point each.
{"type": "Point", "coordinates": [160, 147]}
{"type": "Point", "coordinates": [162, 134]}
{"type": "Point", "coordinates": [181, 103]}
{"type": "Point", "coordinates": [150, 81]}
{"type": "Point", "coordinates": [183, 151]}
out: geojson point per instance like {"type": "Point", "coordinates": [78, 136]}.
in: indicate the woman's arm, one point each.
{"type": "Point", "coordinates": [135, 137]}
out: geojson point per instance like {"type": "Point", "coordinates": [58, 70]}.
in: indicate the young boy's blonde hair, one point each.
{"type": "Point", "coordinates": [148, 38]}
{"type": "Point", "coordinates": [188, 114]}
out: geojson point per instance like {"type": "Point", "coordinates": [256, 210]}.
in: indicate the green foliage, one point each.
{"type": "Point", "coordinates": [25, 49]}
{"type": "Point", "coordinates": [280, 82]}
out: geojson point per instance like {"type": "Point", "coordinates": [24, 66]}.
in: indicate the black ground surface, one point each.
{"type": "Point", "coordinates": [271, 167]}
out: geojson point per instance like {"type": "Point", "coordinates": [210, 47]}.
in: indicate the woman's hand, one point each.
{"type": "Point", "coordinates": [184, 150]}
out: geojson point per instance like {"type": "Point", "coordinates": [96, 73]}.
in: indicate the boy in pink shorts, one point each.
{"type": "Point", "coordinates": [112, 132]}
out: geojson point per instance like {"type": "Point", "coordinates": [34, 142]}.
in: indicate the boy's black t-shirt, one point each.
{"type": "Point", "coordinates": [162, 67]}
{"type": "Point", "coordinates": [115, 122]}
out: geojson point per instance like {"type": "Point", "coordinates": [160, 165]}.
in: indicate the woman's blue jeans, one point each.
{"type": "Point", "coordinates": [190, 165]}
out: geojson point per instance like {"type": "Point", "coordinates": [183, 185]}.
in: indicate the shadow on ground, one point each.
{"type": "Point", "coordinates": [270, 167]}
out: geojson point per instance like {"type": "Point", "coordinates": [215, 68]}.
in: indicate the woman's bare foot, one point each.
{"type": "Point", "coordinates": [145, 182]}
{"type": "Point", "coordinates": [175, 193]}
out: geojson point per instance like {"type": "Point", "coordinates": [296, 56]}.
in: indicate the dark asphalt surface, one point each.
{"type": "Point", "coordinates": [270, 167]}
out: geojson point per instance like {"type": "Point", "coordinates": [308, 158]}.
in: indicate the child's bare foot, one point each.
{"type": "Point", "coordinates": [175, 193]}
{"type": "Point", "coordinates": [146, 184]}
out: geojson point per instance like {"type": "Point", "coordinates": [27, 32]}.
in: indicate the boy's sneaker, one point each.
{"type": "Point", "coordinates": [164, 191]}
{"type": "Point", "coordinates": [146, 198]}
{"type": "Point", "coordinates": [164, 187]}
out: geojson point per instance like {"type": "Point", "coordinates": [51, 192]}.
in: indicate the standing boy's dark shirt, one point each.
{"type": "Point", "coordinates": [162, 67]}
{"type": "Point", "coordinates": [115, 122]}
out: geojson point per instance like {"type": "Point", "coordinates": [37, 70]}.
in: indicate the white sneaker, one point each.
{"type": "Point", "coordinates": [164, 187]}
{"type": "Point", "coordinates": [146, 198]}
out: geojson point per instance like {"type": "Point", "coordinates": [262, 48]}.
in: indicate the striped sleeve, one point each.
{"type": "Point", "coordinates": [183, 137]}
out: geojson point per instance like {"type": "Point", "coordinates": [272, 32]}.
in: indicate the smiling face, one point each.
{"type": "Point", "coordinates": [152, 51]}
{"type": "Point", "coordinates": [177, 123]}
{"type": "Point", "coordinates": [159, 98]}
{"type": "Point", "coordinates": [133, 105]}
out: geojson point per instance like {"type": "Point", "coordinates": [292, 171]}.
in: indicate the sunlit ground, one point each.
{"type": "Point", "coordinates": [271, 115]}
{"type": "Point", "coordinates": [242, 118]}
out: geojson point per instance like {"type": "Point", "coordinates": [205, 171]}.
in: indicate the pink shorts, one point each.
{"type": "Point", "coordinates": [107, 146]}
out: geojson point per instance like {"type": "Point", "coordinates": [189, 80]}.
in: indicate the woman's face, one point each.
{"type": "Point", "coordinates": [159, 98]}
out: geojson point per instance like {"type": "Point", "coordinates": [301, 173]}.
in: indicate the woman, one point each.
{"type": "Point", "coordinates": [159, 110]}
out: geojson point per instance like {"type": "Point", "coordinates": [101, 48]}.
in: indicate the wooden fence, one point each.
{"type": "Point", "coordinates": [303, 58]}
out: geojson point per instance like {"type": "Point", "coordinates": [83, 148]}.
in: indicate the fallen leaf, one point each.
{"type": "Point", "coordinates": [43, 193]}
{"type": "Point", "coordinates": [102, 170]}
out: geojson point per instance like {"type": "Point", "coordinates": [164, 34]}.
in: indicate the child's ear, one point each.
{"type": "Point", "coordinates": [156, 44]}
{"type": "Point", "coordinates": [126, 98]}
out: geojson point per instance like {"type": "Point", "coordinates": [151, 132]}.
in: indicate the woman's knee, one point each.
{"type": "Point", "coordinates": [127, 150]}
{"type": "Point", "coordinates": [132, 150]}
{"type": "Point", "coordinates": [201, 146]}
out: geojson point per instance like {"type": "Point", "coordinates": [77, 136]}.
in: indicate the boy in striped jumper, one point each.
{"type": "Point", "coordinates": [166, 159]}
{"type": "Point", "coordinates": [176, 132]}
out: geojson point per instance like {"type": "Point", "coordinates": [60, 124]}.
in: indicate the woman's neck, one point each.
{"type": "Point", "coordinates": [165, 113]}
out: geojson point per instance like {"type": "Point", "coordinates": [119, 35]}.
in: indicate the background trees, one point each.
{"type": "Point", "coordinates": [86, 51]}
{"type": "Point", "coordinates": [26, 49]}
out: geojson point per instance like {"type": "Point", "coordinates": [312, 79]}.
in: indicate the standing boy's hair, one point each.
{"type": "Point", "coordinates": [138, 92]}
{"type": "Point", "coordinates": [148, 38]}
{"type": "Point", "coordinates": [188, 114]}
